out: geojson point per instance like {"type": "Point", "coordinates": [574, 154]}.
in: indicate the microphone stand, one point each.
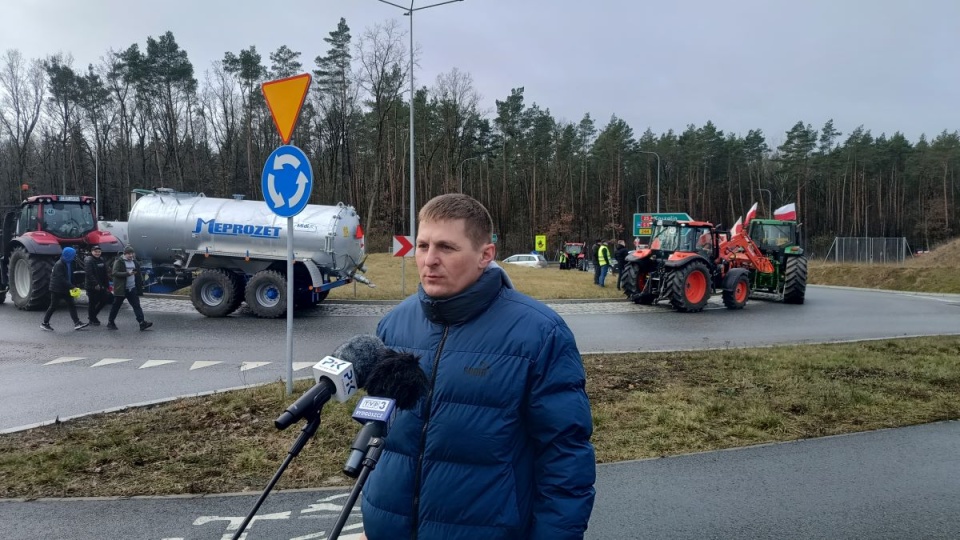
{"type": "Point", "coordinates": [308, 431]}
{"type": "Point", "coordinates": [374, 449]}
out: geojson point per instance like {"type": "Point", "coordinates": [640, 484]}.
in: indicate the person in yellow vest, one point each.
{"type": "Point", "coordinates": [603, 259]}
{"type": "Point", "coordinates": [563, 260]}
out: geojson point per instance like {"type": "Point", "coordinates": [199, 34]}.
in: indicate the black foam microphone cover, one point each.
{"type": "Point", "coordinates": [398, 376]}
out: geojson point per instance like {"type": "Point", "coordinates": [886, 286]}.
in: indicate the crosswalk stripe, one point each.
{"type": "Point", "coordinates": [155, 363]}
{"type": "Point", "coordinates": [108, 361]}
{"type": "Point", "coordinates": [252, 365]}
{"type": "Point", "coordinates": [200, 364]}
{"type": "Point", "coordinates": [297, 366]}
{"type": "Point", "coordinates": [65, 359]}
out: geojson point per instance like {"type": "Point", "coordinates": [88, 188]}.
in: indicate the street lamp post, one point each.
{"type": "Point", "coordinates": [638, 202]}
{"type": "Point", "coordinates": [658, 175]}
{"type": "Point", "coordinates": [462, 161]}
{"type": "Point", "coordinates": [770, 198]}
{"type": "Point", "coordinates": [413, 189]}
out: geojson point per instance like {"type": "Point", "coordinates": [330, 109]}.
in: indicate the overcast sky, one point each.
{"type": "Point", "coordinates": [891, 65]}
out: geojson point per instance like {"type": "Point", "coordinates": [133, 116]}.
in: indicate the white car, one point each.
{"type": "Point", "coordinates": [527, 259]}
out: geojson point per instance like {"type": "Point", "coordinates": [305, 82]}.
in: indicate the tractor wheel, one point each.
{"type": "Point", "coordinates": [30, 279]}
{"type": "Point", "coordinates": [634, 282]}
{"type": "Point", "coordinates": [3, 297]}
{"type": "Point", "coordinates": [689, 287]}
{"type": "Point", "coordinates": [737, 298]}
{"type": "Point", "coordinates": [215, 293]}
{"type": "Point", "coordinates": [795, 282]}
{"type": "Point", "coordinates": [266, 294]}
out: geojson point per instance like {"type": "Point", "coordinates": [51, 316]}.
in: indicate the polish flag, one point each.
{"type": "Point", "coordinates": [786, 213]}
{"type": "Point", "coordinates": [735, 230]}
{"type": "Point", "coordinates": [750, 215]}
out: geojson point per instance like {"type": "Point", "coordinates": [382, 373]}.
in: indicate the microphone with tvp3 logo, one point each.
{"type": "Point", "coordinates": [395, 382]}
{"type": "Point", "coordinates": [337, 376]}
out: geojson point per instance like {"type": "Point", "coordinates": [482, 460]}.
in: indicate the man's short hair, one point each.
{"type": "Point", "coordinates": [453, 206]}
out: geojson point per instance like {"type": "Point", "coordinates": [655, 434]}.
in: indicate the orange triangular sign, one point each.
{"type": "Point", "coordinates": [284, 98]}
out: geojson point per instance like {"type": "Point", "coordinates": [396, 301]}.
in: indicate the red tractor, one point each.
{"type": "Point", "coordinates": [32, 238]}
{"type": "Point", "coordinates": [687, 261]}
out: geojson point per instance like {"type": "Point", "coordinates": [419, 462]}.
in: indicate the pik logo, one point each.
{"type": "Point", "coordinates": [479, 371]}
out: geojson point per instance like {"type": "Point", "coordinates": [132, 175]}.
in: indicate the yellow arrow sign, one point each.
{"type": "Point", "coordinates": [285, 98]}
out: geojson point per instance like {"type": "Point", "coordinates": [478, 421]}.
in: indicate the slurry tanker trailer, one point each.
{"type": "Point", "coordinates": [231, 251]}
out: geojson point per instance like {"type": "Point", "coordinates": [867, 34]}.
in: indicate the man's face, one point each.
{"type": "Point", "coordinates": [128, 256]}
{"type": "Point", "coordinates": [447, 260]}
{"type": "Point", "coordinates": [97, 253]}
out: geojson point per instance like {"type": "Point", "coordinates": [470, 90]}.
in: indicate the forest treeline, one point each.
{"type": "Point", "coordinates": [143, 117]}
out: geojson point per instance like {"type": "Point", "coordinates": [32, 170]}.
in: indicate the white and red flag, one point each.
{"type": "Point", "coordinates": [787, 212]}
{"type": "Point", "coordinates": [750, 214]}
{"type": "Point", "coordinates": [735, 230]}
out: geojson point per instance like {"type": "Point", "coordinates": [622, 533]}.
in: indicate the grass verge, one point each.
{"type": "Point", "coordinates": [644, 405]}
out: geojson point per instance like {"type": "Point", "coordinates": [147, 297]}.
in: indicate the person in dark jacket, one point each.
{"type": "Point", "coordinates": [127, 285]}
{"type": "Point", "coordinates": [621, 256]}
{"type": "Point", "coordinates": [97, 283]}
{"type": "Point", "coordinates": [60, 284]}
{"type": "Point", "coordinates": [498, 447]}
{"type": "Point", "coordinates": [595, 253]}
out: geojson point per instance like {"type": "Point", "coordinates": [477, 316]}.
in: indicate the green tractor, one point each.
{"type": "Point", "coordinates": [779, 241]}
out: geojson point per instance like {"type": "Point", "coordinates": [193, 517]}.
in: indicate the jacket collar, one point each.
{"type": "Point", "coordinates": [468, 304]}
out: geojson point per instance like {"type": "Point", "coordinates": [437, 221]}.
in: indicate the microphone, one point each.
{"type": "Point", "coordinates": [336, 376]}
{"type": "Point", "coordinates": [377, 415]}
{"type": "Point", "coordinates": [396, 381]}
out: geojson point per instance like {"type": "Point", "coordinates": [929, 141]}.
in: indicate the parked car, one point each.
{"type": "Point", "coordinates": [527, 259]}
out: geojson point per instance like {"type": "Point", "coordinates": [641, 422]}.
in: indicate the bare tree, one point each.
{"type": "Point", "coordinates": [22, 90]}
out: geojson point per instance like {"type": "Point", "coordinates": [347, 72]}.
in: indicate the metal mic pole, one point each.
{"type": "Point", "coordinates": [369, 464]}
{"type": "Point", "coordinates": [313, 423]}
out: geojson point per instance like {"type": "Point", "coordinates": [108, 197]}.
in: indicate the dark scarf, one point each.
{"type": "Point", "coordinates": [468, 304]}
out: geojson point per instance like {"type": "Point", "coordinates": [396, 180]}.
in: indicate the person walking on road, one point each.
{"type": "Point", "coordinates": [603, 261]}
{"type": "Point", "coordinates": [61, 283]}
{"type": "Point", "coordinates": [621, 256]}
{"type": "Point", "coordinates": [127, 285]}
{"type": "Point", "coordinates": [97, 283]}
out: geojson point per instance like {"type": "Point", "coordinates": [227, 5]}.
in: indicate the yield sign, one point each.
{"type": "Point", "coordinates": [403, 246]}
{"type": "Point", "coordinates": [284, 98]}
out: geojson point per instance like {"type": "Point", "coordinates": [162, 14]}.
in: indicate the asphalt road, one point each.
{"type": "Point", "coordinates": [850, 487]}
{"type": "Point", "coordinates": [62, 374]}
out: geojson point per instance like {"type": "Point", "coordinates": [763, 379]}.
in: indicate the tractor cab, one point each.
{"type": "Point", "coordinates": [775, 237]}
{"type": "Point", "coordinates": [65, 216]}
{"type": "Point", "coordinates": [685, 237]}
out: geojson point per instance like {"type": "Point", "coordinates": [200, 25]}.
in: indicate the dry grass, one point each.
{"type": "Point", "coordinates": [542, 283]}
{"type": "Point", "coordinates": [644, 405]}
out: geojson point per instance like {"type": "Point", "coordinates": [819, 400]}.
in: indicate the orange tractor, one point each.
{"type": "Point", "coordinates": [687, 261]}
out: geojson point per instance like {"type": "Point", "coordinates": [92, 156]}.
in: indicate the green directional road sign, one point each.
{"type": "Point", "coordinates": [643, 223]}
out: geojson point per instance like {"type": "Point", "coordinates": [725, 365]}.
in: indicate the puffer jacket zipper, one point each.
{"type": "Point", "coordinates": [423, 438]}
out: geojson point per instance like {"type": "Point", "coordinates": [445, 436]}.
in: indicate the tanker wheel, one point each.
{"type": "Point", "coordinates": [214, 293]}
{"type": "Point", "coordinates": [690, 287]}
{"type": "Point", "coordinates": [266, 294]}
{"type": "Point", "coordinates": [30, 279]}
{"type": "Point", "coordinates": [795, 282]}
{"type": "Point", "coordinates": [3, 297]}
{"type": "Point", "coordinates": [737, 298]}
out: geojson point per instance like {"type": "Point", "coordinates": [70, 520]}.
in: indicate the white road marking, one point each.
{"type": "Point", "coordinates": [155, 363]}
{"type": "Point", "coordinates": [65, 359]}
{"type": "Point", "coordinates": [199, 364]}
{"type": "Point", "coordinates": [108, 361]}
{"type": "Point", "coordinates": [297, 366]}
{"type": "Point", "coordinates": [252, 365]}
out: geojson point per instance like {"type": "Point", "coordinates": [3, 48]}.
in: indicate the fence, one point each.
{"type": "Point", "coordinates": [868, 250]}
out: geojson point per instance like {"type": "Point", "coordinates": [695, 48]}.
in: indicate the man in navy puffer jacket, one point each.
{"type": "Point", "coordinates": [499, 445]}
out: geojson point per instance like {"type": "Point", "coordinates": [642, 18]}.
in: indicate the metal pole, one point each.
{"type": "Point", "coordinates": [638, 202]}
{"type": "Point", "coordinates": [770, 197]}
{"type": "Point", "coordinates": [413, 188]}
{"type": "Point", "coordinates": [461, 169]}
{"type": "Point", "coordinates": [289, 305]}
{"type": "Point", "coordinates": [96, 181]}
{"type": "Point", "coordinates": [658, 175]}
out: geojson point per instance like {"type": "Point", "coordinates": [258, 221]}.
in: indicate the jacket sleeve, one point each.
{"type": "Point", "coordinates": [560, 423]}
{"type": "Point", "coordinates": [119, 270]}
